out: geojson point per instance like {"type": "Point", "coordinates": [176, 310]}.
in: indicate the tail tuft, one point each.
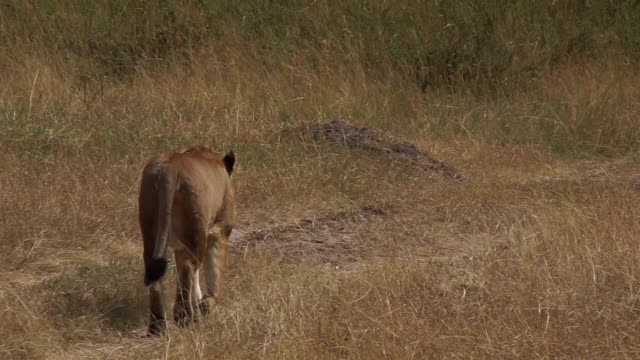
{"type": "Point", "coordinates": [154, 270]}
{"type": "Point", "coordinates": [229, 160]}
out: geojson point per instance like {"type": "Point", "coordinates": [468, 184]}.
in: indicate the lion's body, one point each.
{"type": "Point", "coordinates": [186, 202]}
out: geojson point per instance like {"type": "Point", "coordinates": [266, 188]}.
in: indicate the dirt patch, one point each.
{"type": "Point", "coordinates": [336, 239]}
{"type": "Point", "coordinates": [338, 131]}
{"type": "Point", "coordinates": [349, 238]}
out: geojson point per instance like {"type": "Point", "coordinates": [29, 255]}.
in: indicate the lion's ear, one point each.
{"type": "Point", "coordinates": [229, 160]}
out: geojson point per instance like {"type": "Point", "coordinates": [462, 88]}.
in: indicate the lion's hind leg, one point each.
{"type": "Point", "coordinates": [157, 322]}
{"type": "Point", "coordinates": [214, 264]}
{"type": "Point", "coordinates": [186, 268]}
{"type": "Point", "coordinates": [197, 291]}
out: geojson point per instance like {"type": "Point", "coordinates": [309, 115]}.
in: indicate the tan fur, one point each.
{"type": "Point", "coordinates": [186, 202]}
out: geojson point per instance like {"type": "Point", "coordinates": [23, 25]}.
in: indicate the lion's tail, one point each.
{"type": "Point", "coordinates": [229, 160]}
{"type": "Point", "coordinates": [166, 185]}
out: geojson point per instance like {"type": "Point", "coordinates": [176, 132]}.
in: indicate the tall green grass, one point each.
{"type": "Point", "coordinates": [488, 41]}
{"type": "Point", "coordinates": [487, 69]}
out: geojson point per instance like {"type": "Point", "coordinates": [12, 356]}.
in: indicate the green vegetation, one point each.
{"type": "Point", "coordinates": [518, 59]}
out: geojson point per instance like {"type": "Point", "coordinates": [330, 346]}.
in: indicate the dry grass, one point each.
{"type": "Point", "coordinates": [533, 255]}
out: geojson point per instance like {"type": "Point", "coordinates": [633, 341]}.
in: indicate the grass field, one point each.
{"type": "Point", "coordinates": [339, 252]}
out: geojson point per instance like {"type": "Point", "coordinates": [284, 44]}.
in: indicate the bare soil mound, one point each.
{"type": "Point", "coordinates": [338, 131]}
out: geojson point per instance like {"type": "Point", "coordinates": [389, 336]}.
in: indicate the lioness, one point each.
{"type": "Point", "coordinates": [183, 195]}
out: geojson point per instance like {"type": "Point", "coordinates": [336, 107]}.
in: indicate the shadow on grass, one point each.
{"type": "Point", "coordinates": [110, 297]}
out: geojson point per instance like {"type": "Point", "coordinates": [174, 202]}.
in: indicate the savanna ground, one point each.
{"type": "Point", "coordinates": [340, 252]}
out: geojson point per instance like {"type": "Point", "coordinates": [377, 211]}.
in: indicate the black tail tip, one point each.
{"type": "Point", "coordinates": [229, 160]}
{"type": "Point", "coordinates": [154, 270]}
